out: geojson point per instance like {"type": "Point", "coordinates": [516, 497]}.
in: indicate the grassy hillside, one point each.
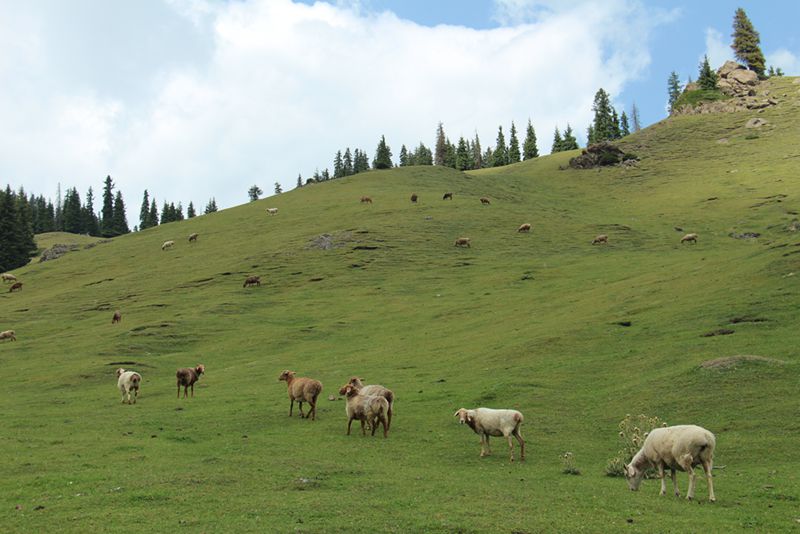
{"type": "Point", "coordinates": [519, 321]}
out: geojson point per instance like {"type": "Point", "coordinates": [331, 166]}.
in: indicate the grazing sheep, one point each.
{"type": "Point", "coordinates": [167, 244]}
{"type": "Point", "coordinates": [602, 238]}
{"type": "Point", "coordinates": [371, 409]}
{"type": "Point", "coordinates": [414, 198]}
{"type": "Point", "coordinates": [676, 447]}
{"type": "Point", "coordinates": [380, 391]}
{"type": "Point", "coordinates": [488, 422]}
{"type": "Point", "coordinates": [8, 334]}
{"type": "Point", "coordinates": [187, 377]}
{"type": "Point", "coordinates": [128, 381]}
{"type": "Point", "coordinates": [463, 242]}
{"type": "Point", "coordinates": [272, 211]}
{"type": "Point", "coordinates": [367, 200]}
{"type": "Point", "coordinates": [8, 277]}
{"type": "Point", "coordinates": [485, 201]}
{"type": "Point", "coordinates": [302, 390]}
{"type": "Point", "coordinates": [524, 228]}
{"type": "Point", "coordinates": [689, 237]}
{"type": "Point", "coordinates": [16, 286]}
{"type": "Point", "coordinates": [192, 237]}
{"type": "Point", "coordinates": [117, 318]}
{"type": "Point", "coordinates": [447, 196]}
{"type": "Point", "coordinates": [252, 281]}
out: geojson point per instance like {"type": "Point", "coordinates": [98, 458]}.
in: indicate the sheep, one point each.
{"type": "Point", "coordinates": [16, 286]}
{"type": "Point", "coordinates": [380, 391]}
{"type": "Point", "coordinates": [414, 198]}
{"type": "Point", "coordinates": [302, 390]}
{"type": "Point", "coordinates": [485, 201]}
{"type": "Point", "coordinates": [677, 447]}
{"type": "Point", "coordinates": [8, 277]}
{"type": "Point", "coordinates": [193, 237]}
{"type": "Point", "coordinates": [689, 237]}
{"type": "Point", "coordinates": [367, 200]}
{"type": "Point", "coordinates": [8, 334]}
{"type": "Point", "coordinates": [524, 228]}
{"type": "Point", "coordinates": [371, 409]}
{"type": "Point", "coordinates": [447, 196]}
{"type": "Point", "coordinates": [462, 242]}
{"type": "Point", "coordinates": [602, 238]}
{"type": "Point", "coordinates": [252, 281]}
{"type": "Point", "coordinates": [127, 382]}
{"type": "Point", "coordinates": [167, 244]}
{"type": "Point", "coordinates": [272, 211]}
{"type": "Point", "coordinates": [117, 318]}
{"type": "Point", "coordinates": [488, 422]}
{"type": "Point", "coordinates": [187, 377]}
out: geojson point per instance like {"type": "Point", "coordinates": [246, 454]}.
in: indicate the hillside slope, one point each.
{"type": "Point", "coordinates": [517, 320]}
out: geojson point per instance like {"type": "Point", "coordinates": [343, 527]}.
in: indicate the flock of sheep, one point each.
{"type": "Point", "coordinates": [677, 447]}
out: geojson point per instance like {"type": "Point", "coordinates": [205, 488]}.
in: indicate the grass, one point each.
{"type": "Point", "coordinates": [518, 321]}
{"type": "Point", "coordinates": [692, 98]}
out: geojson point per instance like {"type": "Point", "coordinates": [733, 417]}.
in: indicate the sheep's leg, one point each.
{"type": "Point", "coordinates": [313, 411]}
{"type": "Point", "coordinates": [663, 481]}
{"type": "Point", "coordinates": [374, 424]}
{"type": "Point", "coordinates": [389, 417]}
{"type": "Point", "coordinates": [675, 482]}
{"type": "Point", "coordinates": [510, 448]}
{"type": "Point", "coordinates": [363, 432]}
{"type": "Point", "coordinates": [135, 395]}
{"type": "Point", "coordinates": [300, 405]}
{"type": "Point", "coordinates": [686, 463]}
{"type": "Point", "coordinates": [192, 390]}
{"type": "Point", "coordinates": [350, 422]}
{"type": "Point", "coordinates": [385, 428]}
{"type": "Point", "coordinates": [707, 466]}
{"type": "Point", "coordinates": [518, 435]}
{"type": "Point", "coordinates": [291, 405]}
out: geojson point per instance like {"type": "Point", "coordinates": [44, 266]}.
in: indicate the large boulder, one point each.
{"type": "Point", "coordinates": [746, 77]}
{"type": "Point", "coordinates": [735, 80]}
{"type": "Point", "coordinates": [730, 66]}
{"type": "Point", "coordinates": [600, 155]}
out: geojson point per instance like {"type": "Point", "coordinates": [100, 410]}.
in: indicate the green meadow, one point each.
{"type": "Point", "coordinates": [523, 321]}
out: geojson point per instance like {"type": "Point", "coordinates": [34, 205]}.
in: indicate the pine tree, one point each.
{"type": "Point", "coordinates": [326, 175]}
{"type": "Point", "coordinates": [254, 192]}
{"type": "Point", "coordinates": [50, 221]}
{"type": "Point", "coordinates": [557, 142]}
{"type": "Point", "coordinates": [673, 89]}
{"type": "Point", "coordinates": [624, 127]}
{"type": "Point", "coordinates": [27, 240]}
{"type": "Point", "coordinates": [211, 207]}
{"type": "Point", "coordinates": [441, 146]}
{"type": "Point", "coordinates": [477, 156]}
{"type": "Point", "coordinates": [463, 156]}
{"type": "Point", "coordinates": [144, 212]}
{"type": "Point", "coordinates": [568, 141]}
{"type": "Point", "coordinates": [637, 124]}
{"type": "Point", "coordinates": [529, 149]}
{"type": "Point", "coordinates": [449, 154]}
{"type": "Point", "coordinates": [279, 190]}
{"type": "Point", "coordinates": [513, 145]}
{"type": "Point", "coordinates": [616, 131]}
{"type": "Point", "coordinates": [383, 155]}
{"type": "Point", "coordinates": [604, 125]}
{"type": "Point", "coordinates": [590, 135]}
{"type": "Point", "coordinates": [746, 43]}
{"type": "Point", "coordinates": [488, 157]}
{"type": "Point", "coordinates": [190, 213]}
{"type": "Point", "coordinates": [120, 220]}
{"type": "Point", "coordinates": [153, 219]}
{"type": "Point", "coordinates": [107, 221]}
{"type": "Point", "coordinates": [708, 78]}
{"type": "Point", "coordinates": [10, 237]}
{"type": "Point", "coordinates": [423, 155]}
{"type": "Point", "coordinates": [90, 223]}
{"type": "Point", "coordinates": [59, 219]}
{"type": "Point", "coordinates": [500, 155]}
{"type": "Point", "coordinates": [166, 214]}
{"type": "Point", "coordinates": [299, 181]}
{"type": "Point", "coordinates": [403, 156]}
{"type": "Point", "coordinates": [348, 163]}
{"type": "Point", "coordinates": [73, 217]}
{"type": "Point", "coordinates": [179, 212]}
{"type": "Point", "coordinates": [338, 167]}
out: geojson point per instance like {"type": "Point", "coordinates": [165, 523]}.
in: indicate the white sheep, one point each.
{"type": "Point", "coordinates": [488, 422]}
{"type": "Point", "coordinates": [689, 238]}
{"type": "Point", "coordinates": [8, 334]}
{"type": "Point", "coordinates": [8, 277]}
{"type": "Point", "coordinates": [369, 409]}
{"type": "Point", "coordinates": [676, 447]}
{"type": "Point", "coordinates": [128, 381]}
{"type": "Point", "coordinates": [167, 244]}
{"type": "Point", "coordinates": [380, 391]}
{"type": "Point", "coordinates": [272, 211]}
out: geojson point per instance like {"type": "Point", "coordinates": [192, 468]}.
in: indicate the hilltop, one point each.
{"type": "Point", "coordinates": [575, 336]}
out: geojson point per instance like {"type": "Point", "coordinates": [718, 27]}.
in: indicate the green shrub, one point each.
{"type": "Point", "coordinates": [692, 98]}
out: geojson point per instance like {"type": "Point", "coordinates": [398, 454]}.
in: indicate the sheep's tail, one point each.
{"type": "Point", "coordinates": [518, 418]}
{"type": "Point", "coordinates": [135, 379]}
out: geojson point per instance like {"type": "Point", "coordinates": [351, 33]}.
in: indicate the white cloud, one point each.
{"type": "Point", "coordinates": [787, 61]}
{"type": "Point", "coordinates": [718, 49]}
{"type": "Point", "coordinates": [269, 88]}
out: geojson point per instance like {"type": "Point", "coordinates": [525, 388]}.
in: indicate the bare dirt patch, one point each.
{"type": "Point", "coordinates": [731, 362]}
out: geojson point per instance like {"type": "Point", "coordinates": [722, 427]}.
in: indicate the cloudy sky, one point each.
{"type": "Point", "coordinates": [193, 99]}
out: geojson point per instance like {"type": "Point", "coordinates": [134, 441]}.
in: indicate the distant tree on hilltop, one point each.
{"type": "Point", "coordinates": [383, 155]}
{"type": "Point", "coordinates": [513, 145]}
{"type": "Point", "coordinates": [637, 123]}
{"type": "Point", "coordinates": [211, 207]}
{"type": "Point", "coordinates": [746, 43]}
{"type": "Point", "coordinates": [529, 149]}
{"type": "Point", "coordinates": [673, 88]}
{"type": "Point", "coordinates": [624, 127]}
{"type": "Point", "coordinates": [254, 192]}
{"type": "Point", "coordinates": [708, 78]}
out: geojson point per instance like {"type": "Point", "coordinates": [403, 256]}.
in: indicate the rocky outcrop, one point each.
{"type": "Point", "coordinates": [736, 80]}
{"type": "Point", "coordinates": [600, 155]}
{"type": "Point", "coordinates": [738, 83]}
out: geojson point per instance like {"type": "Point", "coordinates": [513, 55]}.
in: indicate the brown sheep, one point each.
{"type": "Point", "coordinates": [117, 318]}
{"type": "Point", "coordinates": [367, 200]}
{"type": "Point", "coordinates": [447, 196]}
{"type": "Point", "coordinates": [8, 277]}
{"type": "Point", "coordinates": [369, 409]}
{"type": "Point", "coordinates": [689, 237]}
{"type": "Point", "coordinates": [602, 238]}
{"type": "Point", "coordinates": [380, 391]}
{"type": "Point", "coordinates": [16, 286]}
{"type": "Point", "coordinates": [414, 198]}
{"type": "Point", "coordinates": [8, 334]}
{"type": "Point", "coordinates": [193, 237]}
{"type": "Point", "coordinates": [485, 201]}
{"type": "Point", "coordinates": [524, 228]}
{"type": "Point", "coordinates": [187, 377]}
{"type": "Point", "coordinates": [462, 242]}
{"type": "Point", "coordinates": [252, 281]}
{"type": "Point", "coordinates": [302, 390]}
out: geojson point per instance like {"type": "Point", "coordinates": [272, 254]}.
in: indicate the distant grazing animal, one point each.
{"type": "Point", "coordinates": [252, 281]}
{"type": "Point", "coordinates": [676, 447]}
{"type": "Point", "coordinates": [272, 211]}
{"type": "Point", "coordinates": [128, 381]}
{"type": "Point", "coordinates": [16, 286]}
{"type": "Point", "coordinates": [370, 409]}
{"type": "Point", "coordinates": [689, 237]}
{"type": "Point", "coordinates": [192, 238]}
{"type": "Point", "coordinates": [167, 244]}
{"type": "Point", "coordinates": [302, 390]}
{"type": "Point", "coordinates": [485, 201]}
{"type": "Point", "coordinates": [463, 242]}
{"type": "Point", "coordinates": [117, 317]}
{"type": "Point", "coordinates": [447, 196]}
{"type": "Point", "coordinates": [368, 200]}
{"type": "Point", "coordinates": [8, 277]}
{"type": "Point", "coordinates": [380, 391]}
{"type": "Point", "coordinates": [488, 422]}
{"type": "Point", "coordinates": [8, 334]}
{"type": "Point", "coordinates": [414, 198]}
{"type": "Point", "coordinates": [524, 228]}
{"type": "Point", "coordinates": [187, 377]}
{"type": "Point", "coordinates": [602, 238]}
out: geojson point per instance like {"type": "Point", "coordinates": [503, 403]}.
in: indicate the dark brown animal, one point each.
{"type": "Point", "coordinates": [16, 286]}
{"type": "Point", "coordinates": [252, 281]}
{"type": "Point", "coordinates": [463, 242]}
{"type": "Point", "coordinates": [485, 201]}
{"type": "Point", "coordinates": [117, 317]}
{"type": "Point", "coordinates": [447, 196]}
{"type": "Point", "coordinates": [192, 238]}
{"type": "Point", "coordinates": [302, 390]}
{"type": "Point", "coordinates": [187, 377]}
{"type": "Point", "coordinates": [524, 228]}
{"type": "Point", "coordinates": [367, 200]}
{"type": "Point", "coordinates": [414, 198]}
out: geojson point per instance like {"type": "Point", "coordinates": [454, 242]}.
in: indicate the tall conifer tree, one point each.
{"type": "Point", "coordinates": [529, 149]}
{"type": "Point", "coordinates": [107, 221]}
{"type": "Point", "coordinates": [513, 145]}
{"type": "Point", "coordinates": [746, 43]}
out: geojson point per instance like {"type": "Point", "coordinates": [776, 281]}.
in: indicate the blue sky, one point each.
{"type": "Point", "coordinates": [193, 99]}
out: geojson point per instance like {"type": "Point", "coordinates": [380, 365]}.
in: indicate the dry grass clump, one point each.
{"type": "Point", "coordinates": [632, 430]}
